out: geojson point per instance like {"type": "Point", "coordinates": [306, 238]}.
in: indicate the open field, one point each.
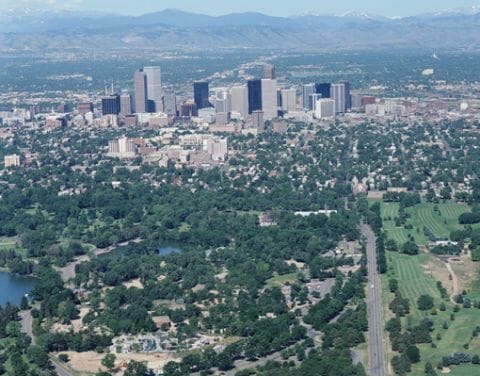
{"type": "Point", "coordinates": [88, 363]}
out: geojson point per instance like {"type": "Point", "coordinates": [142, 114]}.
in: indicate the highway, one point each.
{"type": "Point", "coordinates": [374, 308]}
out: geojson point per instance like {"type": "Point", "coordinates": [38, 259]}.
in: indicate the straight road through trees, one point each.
{"type": "Point", "coordinates": [374, 307]}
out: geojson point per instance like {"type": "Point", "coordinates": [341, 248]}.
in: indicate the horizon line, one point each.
{"type": "Point", "coordinates": [353, 13]}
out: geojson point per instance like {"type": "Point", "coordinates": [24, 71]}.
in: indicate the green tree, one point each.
{"type": "Point", "coordinates": [410, 248]}
{"type": "Point", "coordinates": [24, 304]}
{"type": "Point", "coordinates": [413, 354]}
{"type": "Point", "coordinates": [476, 254]}
{"type": "Point", "coordinates": [425, 302]}
{"type": "Point", "coordinates": [108, 361]}
{"type": "Point", "coordinates": [39, 356]}
{"type": "Point", "coordinates": [137, 369]}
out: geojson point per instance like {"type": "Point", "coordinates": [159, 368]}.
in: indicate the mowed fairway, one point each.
{"type": "Point", "coordinates": [412, 279]}
{"type": "Point", "coordinates": [389, 213]}
{"type": "Point", "coordinates": [440, 222]}
{"type": "Point", "coordinates": [414, 274]}
{"type": "Point", "coordinates": [413, 282]}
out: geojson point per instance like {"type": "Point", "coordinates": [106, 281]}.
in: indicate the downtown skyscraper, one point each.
{"type": "Point", "coordinates": [201, 94]}
{"type": "Point", "coordinates": [269, 98]}
{"type": "Point", "coordinates": [141, 99]}
{"type": "Point", "coordinates": [154, 88]}
{"type": "Point", "coordinates": [338, 95]}
{"type": "Point", "coordinates": [148, 90]}
{"type": "Point", "coordinates": [254, 95]}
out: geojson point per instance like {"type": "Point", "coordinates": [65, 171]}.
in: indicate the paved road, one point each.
{"type": "Point", "coordinates": [61, 370]}
{"type": "Point", "coordinates": [27, 321]}
{"type": "Point", "coordinates": [374, 308]}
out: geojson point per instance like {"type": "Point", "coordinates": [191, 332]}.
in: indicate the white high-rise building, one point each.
{"type": "Point", "coordinates": [337, 93]}
{"type": "Point", "coordinates": [154, 88]}
{"type": "Point", "coordinates": [239, 100]}
{"type": "Point", "coordinates": [289, 100]}
{"type": "Point", "coordinates": [269, 99]}
{"type": "Point", "coordinates": [125, 103]}
{"type": "Point", "coordinates": [324, 108]}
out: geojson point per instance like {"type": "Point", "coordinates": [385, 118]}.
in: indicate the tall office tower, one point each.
{"type": "Point", "coordinates": [111, 104]}
{"type": "Point", "coordinates": [200, 94]}
{"type": "Point", "coordinates": [269, 99]}
{"type": "Point", "coordinates": [324, 89]}
{"type": "Point", "coordinates": [239, 100]}
{"type": "Point", "coordinates": [125, 103]}
{"type": "Point", "coordinates": [312, 100]}
{"type": "Point", "coordinates": [307, 90]}
{"type": "Point", "coordinates": [222, 101]}
{"type": "Point", "coordinates": [254, 95]}
{"type": "Point", "coordinates": [154, 88]}
{"type": "Point", "coordinates": [169, 102]}
{"type": "Point", "coordinates": [338, 95]}
{"type": "Point", "coordinates": [141, 100]}
{"type": "Point", "coordinates": [289, 100]}
{"type": "Point", "coordinates": [348, 95]}
{"type": "Point", "coordinates": [269, 71]}
{"type": "Point", "coordinates": [324, 108]}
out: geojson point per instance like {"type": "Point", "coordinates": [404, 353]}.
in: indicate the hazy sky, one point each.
{"type": "Point", "coordinates": [273, 7]}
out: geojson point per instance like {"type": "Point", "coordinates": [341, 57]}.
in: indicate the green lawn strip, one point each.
{"type": "Point", "coordinates": [281, 280]}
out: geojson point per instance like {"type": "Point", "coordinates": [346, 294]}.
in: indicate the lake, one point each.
{"type": "Point", "coordinates": [13, 287]}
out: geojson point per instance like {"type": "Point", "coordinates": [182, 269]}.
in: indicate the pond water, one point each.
{"type": "Point", "coordinates": [163, 251]}
{"type": "Point", "coordinates": [13, 287]}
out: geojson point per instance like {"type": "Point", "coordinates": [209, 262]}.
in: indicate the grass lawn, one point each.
{"type": "Point", "coordinates": [412, 279]}
{"type": "Point", "coordinates": [465, 370]}
{"type": "Point", "coordinates": [441, 223]}
{"type": "Point", "coordinates": [280, 280]}
{"type": "Point", "coordinates": [418, 275]}
{"type": "Point", "coordinates": [11, 243]}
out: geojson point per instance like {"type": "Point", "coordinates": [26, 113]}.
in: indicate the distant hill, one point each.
{"type": "Point", "coordinates": [175, 29]}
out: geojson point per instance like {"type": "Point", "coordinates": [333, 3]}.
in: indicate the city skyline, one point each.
{"type": "Point", "coordinates": [216, 7]}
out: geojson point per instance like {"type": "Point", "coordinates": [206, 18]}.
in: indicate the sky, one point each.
{"type": "Point", "coordinates": [391, 8]}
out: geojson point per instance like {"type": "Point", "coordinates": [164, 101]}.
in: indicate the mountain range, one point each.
{"type": "Point", "coordinates": [176, 29]}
